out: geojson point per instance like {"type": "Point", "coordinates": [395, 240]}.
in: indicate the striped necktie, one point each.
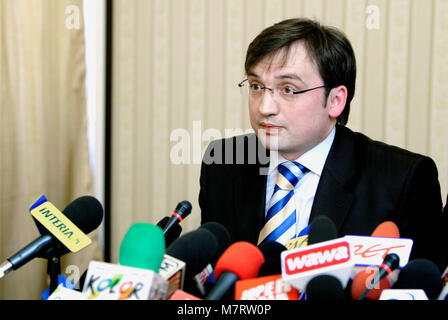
{"type": "Point", "coordinates": [281, 215]}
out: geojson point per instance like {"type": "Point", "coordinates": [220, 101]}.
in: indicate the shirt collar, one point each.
{"type": "Point", "coordinates": [313, 159]}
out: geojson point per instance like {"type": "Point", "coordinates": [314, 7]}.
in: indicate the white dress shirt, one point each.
{"type": "Point", "coordinates": [305, 190]}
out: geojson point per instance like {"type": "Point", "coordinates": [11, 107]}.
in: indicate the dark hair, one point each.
{"type": "Point", "coordinates": [327, 46]}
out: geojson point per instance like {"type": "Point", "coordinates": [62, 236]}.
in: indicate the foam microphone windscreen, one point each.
{"type": "Point", "coordinates": [420, 274]}
{"type": "Point", "coordinates": [324, 288]}
{"type": "Point", "coordinates": [272, 255]}
{"type": "Point", "coordinates": [362, 281]}
{"type": "Point", "coordinates": [222, 236]}
{"type": "Point", "coordinates": [85, 212]}
{"type": "Point", "coordinates": [321, 229]}
{"type": "Point", "coordinates": [386, 229]}
{"type": "Point", "coordinates": [196, 248]}
{"type": "Point", "coordinates": [143, 246]}
{"type": "Point", "coordinates": [242, 259]}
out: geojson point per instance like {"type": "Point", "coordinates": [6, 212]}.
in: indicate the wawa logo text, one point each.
{"type": "Point", "coordinates": [316, 258]}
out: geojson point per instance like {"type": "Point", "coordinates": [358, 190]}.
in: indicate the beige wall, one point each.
{"type": "Point", "coordinates": [43, 126]}
{"type": "Point", "coordinates": [176, 65]}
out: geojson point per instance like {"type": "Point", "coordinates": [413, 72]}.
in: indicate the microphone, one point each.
{"type": "Point", "coordinates": [361, 282]}
{"type": "Point", "coordinates": [321, 229]}
{"type": "Point", "coordinates": [136, 278]}
{"type": "Point", "coordinates": [241, 260]}
{"type": "Point", "coordinates": [420, 274]}
{"type": "Point", "coordinates": [174, 269]}
{"type": "Point", "coordinates": [143, 246]}
{"type": "Point", "coordinates": [222, 236]}
{"type": "Point", "coordinates": [271, 287]}
{"type": "Point", "coordinates": [85, 212]}
{"type": "Point", "coordinates": [205, 279]}
{"type": "Point", "coordinates": [181, 211]}
{"type": "Point", "coordinates": [324, 288]}
{"type": "Point", "coordinates": [334, 257]}
{"type": "Point", "coordinates": [107, 281]}
{"type": "Point", "coordinates": [196, 248]}
{"type": "Point", "coordinates": [390, 263]}
{"type": "Point", "coordinates": [269, 284]}
{"type": "Point", "coordinates": [370, 251]}
{"type": "Point", "coordinates": [171, 234]}
{"type": "Point", "coordinates": [386, 229]}
{"type": "Point", "coordinates": [272, 260]}
{"type": "Point", "coordinates": [324, 254]}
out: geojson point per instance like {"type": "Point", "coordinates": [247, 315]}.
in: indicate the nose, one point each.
{"type": "Point", "coordinates": [267, 104]}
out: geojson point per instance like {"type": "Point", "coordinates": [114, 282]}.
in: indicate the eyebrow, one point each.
{"type": "Point", "coordinates": [291, 76]}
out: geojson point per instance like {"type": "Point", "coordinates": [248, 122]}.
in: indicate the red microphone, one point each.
{"type": "Point", "coordinates": [241, 260]}
{"type": "Point", "coordinates": [364, 278]}
{"type": "Point", "coordinates": [362, 281]}
{"type": "Point", "coordinates": [271, 287]}
{"type": "Point", "coordinates": [387, 229]}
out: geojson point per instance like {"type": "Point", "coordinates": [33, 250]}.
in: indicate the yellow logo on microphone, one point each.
{"type": "Point", "coordinates": [60, 226]}
{"type": "Point", "coordinates": [298, 242]}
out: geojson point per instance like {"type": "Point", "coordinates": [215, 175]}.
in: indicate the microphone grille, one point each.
{"type": "Point", "coordinates": [324, 288]}
{"type": "Point", "coordinates": [386, 229]}
{"type": "Point", "coordinates": [196, 248]}
{"type": "Point", "coordinates": [420, 274]}
{"type": "Point", "coordinates": [322, 229]}
{"type": "Point", "coordinates": [143, 246]}
{"type": "Point", "coordinates": [241, 258]}
{"type": "Point", "coordinates": [85, 212]}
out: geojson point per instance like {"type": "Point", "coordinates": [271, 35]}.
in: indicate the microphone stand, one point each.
{"type": "Point", "coordinates": [53, 257]}
{"type": "Point", "coordinates": [53, 270]}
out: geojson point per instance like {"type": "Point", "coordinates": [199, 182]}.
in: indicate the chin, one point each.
{"type": "Point", "coordinates": [270, 142]}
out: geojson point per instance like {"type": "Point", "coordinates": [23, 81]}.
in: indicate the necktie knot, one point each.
{"type": "Point", "coordinates": [289, 174]}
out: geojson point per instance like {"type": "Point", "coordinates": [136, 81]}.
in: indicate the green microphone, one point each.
{"type": "Point", "coordinates": [143, 246]}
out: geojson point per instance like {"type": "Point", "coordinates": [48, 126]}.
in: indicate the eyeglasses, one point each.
{"type": "Point", "coordinates": [255, 90]}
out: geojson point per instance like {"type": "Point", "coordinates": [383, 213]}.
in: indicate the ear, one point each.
{"type": "Point", "coordinates": [336, 101]}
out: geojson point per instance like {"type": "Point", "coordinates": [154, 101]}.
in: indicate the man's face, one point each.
{"type": "Point", "coordinates": [290, 126]}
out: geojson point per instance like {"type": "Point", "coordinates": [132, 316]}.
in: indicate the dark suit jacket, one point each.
{"type": "Point", "coordinates": [363, 183]}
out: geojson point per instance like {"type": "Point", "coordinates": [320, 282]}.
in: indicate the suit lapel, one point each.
{"type": "Point", "coordinates": [333, 197]}
{"type": "Point", "coordinates": [250, 194]}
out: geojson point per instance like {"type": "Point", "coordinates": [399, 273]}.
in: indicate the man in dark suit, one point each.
{"type": "Point", "coordinates": [300, 81]}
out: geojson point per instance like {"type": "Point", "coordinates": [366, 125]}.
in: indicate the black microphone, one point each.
{"type": "Point", "coordinates": [172, 234]}
{"type": "Point", "coordinates": [272, 258]}
{"type": "Point", "coordinates": [420, 274]}
{"type": "Point", "coordinates": [222, 236]}
{"type": "Point", "coordinates": [85, 212]}
{"type": "Point", "coordinates": [324, 288]}
{"type": "Point", "coordinates": [390, 263]}
{"type": "Point", "coordinates": [182, 210]}
{"type": "Point", "coordinates": [196, 248]}
{"type": "Point", "coordinates": [321, 229]}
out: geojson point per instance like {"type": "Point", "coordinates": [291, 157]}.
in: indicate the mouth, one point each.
{"type": "Point", "coordinates": [269, 127]}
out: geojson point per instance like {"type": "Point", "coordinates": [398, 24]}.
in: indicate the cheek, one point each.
{"type": "Point", "coordinates": [302, 122]}
{"type": "Point", "coordinates": [253, 111]}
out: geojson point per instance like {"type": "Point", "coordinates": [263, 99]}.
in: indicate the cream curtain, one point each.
{"type": "Point", "coordinates": [176, 65]}
{"type": "Point", "coordinates": [43, 130]}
